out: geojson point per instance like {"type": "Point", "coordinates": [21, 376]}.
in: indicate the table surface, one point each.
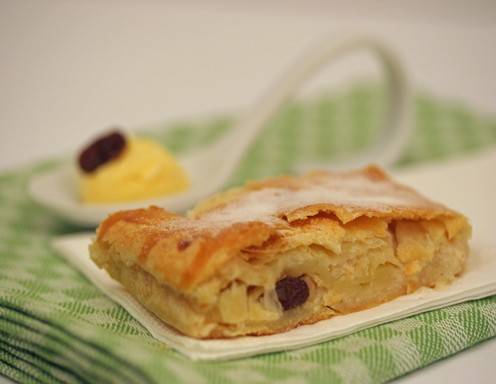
{"type": "Point", "coordinates": [71, 68]}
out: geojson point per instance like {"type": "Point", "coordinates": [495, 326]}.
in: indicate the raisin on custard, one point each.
{"type": "Point", "coordinates": [292, 292]}
{"type": "Point", "coordinates": [101, 151]}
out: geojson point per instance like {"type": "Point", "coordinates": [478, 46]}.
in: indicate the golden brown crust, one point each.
{"type": "Point", "coordinates": [167, 247]}
{"type": "Point", "coordinates": [185, 251]}
{"type": "Point", "coordinates": [323, 314]}
{"type": "Point", "coordinates": [393, 199]}
{"type": "Point", "coordinates": [356, 239]}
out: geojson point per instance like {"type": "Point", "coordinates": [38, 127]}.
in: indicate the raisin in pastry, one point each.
{"type": "Point", "coordinates": [282, 252]}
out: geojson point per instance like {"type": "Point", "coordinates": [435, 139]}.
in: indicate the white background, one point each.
{"type": "Point", "coordinates": [70, 68]}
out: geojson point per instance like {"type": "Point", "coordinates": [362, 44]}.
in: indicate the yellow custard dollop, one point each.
{"type": "Point", "coordinates": [143, 170]}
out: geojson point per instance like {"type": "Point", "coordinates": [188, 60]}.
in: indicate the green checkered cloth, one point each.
{"type": "Point", "coordinates": [55, 326]}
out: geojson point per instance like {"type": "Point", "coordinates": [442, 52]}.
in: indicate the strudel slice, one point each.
{"type": "Point", "coordinates": [282, 252]}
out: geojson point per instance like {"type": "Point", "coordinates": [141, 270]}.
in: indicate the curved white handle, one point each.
{"type": "Point", "coordinates": [388, 145]}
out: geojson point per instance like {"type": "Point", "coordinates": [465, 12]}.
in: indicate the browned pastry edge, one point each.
{"type": "Point", "coordinates": [185, 251]}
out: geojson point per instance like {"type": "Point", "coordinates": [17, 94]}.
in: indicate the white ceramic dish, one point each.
{"type": "Point", "coordinates": [210, 167]}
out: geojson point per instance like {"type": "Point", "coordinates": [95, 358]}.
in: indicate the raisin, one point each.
{"type": "Point", "coordinates": [183, 244]}
{"type": "Point", "coordinates": [102, 150]}
{"type": "Point", "coordinates": [292, 292]}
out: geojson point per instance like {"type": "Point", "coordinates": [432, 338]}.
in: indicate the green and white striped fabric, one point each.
{"type": "Point", "coordinates": [55, 326]}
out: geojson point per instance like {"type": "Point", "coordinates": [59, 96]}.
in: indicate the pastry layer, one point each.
{"type": "Point", "coordinates": [275, 254]}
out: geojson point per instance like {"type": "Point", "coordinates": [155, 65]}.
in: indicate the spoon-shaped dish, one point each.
{"type": "Point", "coordinates": [210, 167]}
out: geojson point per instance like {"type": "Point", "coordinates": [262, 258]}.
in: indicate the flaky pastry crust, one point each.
{"type": "Point", "coordinates": [356, 238]}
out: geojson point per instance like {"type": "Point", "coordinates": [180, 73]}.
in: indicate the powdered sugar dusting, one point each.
{"type": "Point", "coordinates": [269, 202]}
{"type": "Point", "coordinates": [354, 192]}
